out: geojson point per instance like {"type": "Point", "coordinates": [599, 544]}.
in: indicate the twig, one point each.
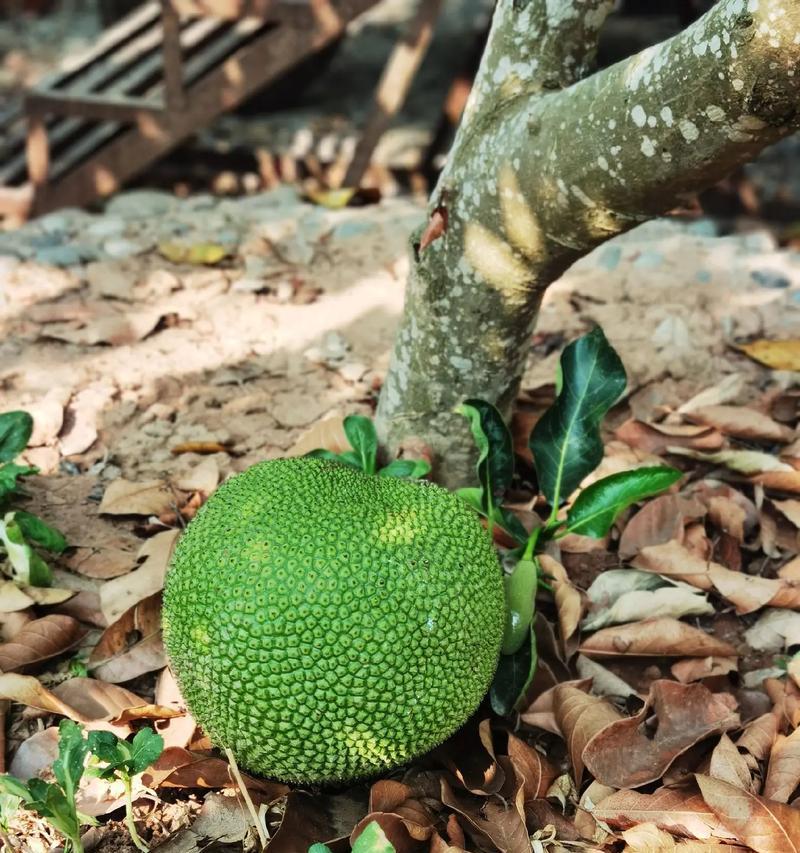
{"type": "Point", "coordinates": [246, 796]}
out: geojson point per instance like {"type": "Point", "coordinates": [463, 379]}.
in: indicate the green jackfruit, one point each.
{"type": "Point", "coordinates": [327, 625]}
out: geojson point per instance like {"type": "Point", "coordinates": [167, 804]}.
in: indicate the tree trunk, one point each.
{"type": "Point", "coordinates": [547, 164]}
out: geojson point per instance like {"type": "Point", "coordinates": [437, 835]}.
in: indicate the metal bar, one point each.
{"type": "Point", "coordinates": [171, 51]}
{"type": "Point", "coordinates": [393, 87]}
{"type": "Point", "coordinates": [240, 76]}
{"type": "Point", "coordinates": [106, 107]}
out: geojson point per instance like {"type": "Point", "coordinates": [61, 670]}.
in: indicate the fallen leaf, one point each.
{"type": "Point", "coordinates": [728, 764]}
{"type": "Point", "coordinates": [201, 447]}
{"type": "Point", "coordinates": [28, 690]}
{"type": "Point", "coordinates": [469, 755]}
{"type": "Point", "coordinates": [116, 329]}
{"type": "Point", "coordinates": [180, 768]}
{"type": "Point", "coordinates": [728, 516]}
{"type": "Point", "coordinates": [659, 521]}
{"type": "Point", "coordinates": [669, 601]}
{"type": "Point", "coordinates": [12, 598]}
{"type": "Point", "coordinates": [311, 818]}
{"type": "Point", "coordinates": [783, 772]}
{"type": "Point", "coordinates": [725, 391]}
{"type": "Point", "coordinates": [581, 717]}
{"type": "Point", "coordinates": [696, 669]}
{"type": "Point", "coordinates": [568, 599]}
{"type": "Point", "coordinates": [603, 681]}
{"type": "Point", "coordinates": [759, 736]}
{"type": "Point", "coordinates": [741, 422]}
{"type": "Point", "coordinates": [678, 811]}
{"type": "Point", "coordinates": [764, 825]}
{"type": "Point", "coordinates": [502, 824]}
{"type": "Point", "coordinates": [774, 631]}
{"type": "Point", "coordinates": [790, 571]}
{"type": "Point", "coordinates": [655, 637]}
{"type": "Point", "coordinates": [327, 434]}
{"type": "Point", "coordinates": [120, 594]}
{"type": "Point", "coordinates": [131, 646]}
{"type": "Point", "coordinates": [40, 640]}
{"type": "Point", "coordinates": [96, 700]}
{"type": "Point", "coordinates": [202, 478]}
{"type": "Point", "coordinates": [740, 461]}
{"type": "Point", "coordinates": [648, 838]}
{"type": "Point", "coordinates": [122, 497]}
{"type": "Point", "coordinates": [634, 751]}
{"type": "Point", "coordinates": [790, 509]}
{"type": "Point", "coordinates": [780, 481]}
{"type": "Point", "coordinates": [193, 253]}
{"type": "Point", "coordinates": [332, 199]}
{"type": "Point", "coordinates": [673, 560]}
{"type": "Point", "coordinates": [536, 772]}
{"type": "Point", "coordinates": [35, 754]}
{"type": "Point", "coordinates": [657, 438]}
{"type": "Point", "coordinates": [779, 355]}
{"type": "Point", "coordinates": [180, 730]}
{"type": "Point", "coordinates": [402, 817]}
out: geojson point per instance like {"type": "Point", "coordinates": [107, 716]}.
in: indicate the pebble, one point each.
{"type": "Point", "coordinates": [770, 279]}
{"type": "Point", "coordinates": [141, 204]}
{"type": "Point", "coordinates": [121, 247]}
{"type": "Point", "coordinates": [59, 256]}
{"type": "Point", "coordinates": [106, 226]}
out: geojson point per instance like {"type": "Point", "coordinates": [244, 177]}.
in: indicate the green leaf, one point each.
{"type": "Point", "coordinates": [520, 587]}
{"type": "Point", "coordinates": [373, 840]}
{"type": "Point", "coordinates": [566, 443]}
{"type": "Point", "coordinates": [598, 506]}
{"type": "Point", "coordinates": [9, 805]}
{"type": "Point", "coordinates": [360, 432]}
{"type": "Point", "coordinates": [319, 848]}
{"type": "Point", "coordinates": [14, 787]}
{"type": "Point", "coordinates": [10, 472]}
{"type": "Point", "coordinates": [495, 449]}
{"type": "Point", "coordinates": [502, 517]}
{"type": "Point", "coordinates": [37, 531]}
{"type": "Point", "coordinates": [513, 677]}
{"type": "Point", "coordinates": [412, 469]}
{"type": "Point", "coordinates": [15, 432]}
{"type": "Point", "coordinates": [72, 752]}
{"type": "Point", "coordinates": [108, 747]}
{"type": "Point", "coordinates": [146, 747]}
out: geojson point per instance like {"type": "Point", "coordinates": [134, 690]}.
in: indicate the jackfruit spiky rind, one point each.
{"type": "Point", "coordinates": [327, 625]}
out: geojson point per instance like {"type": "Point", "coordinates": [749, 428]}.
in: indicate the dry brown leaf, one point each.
{"type": "Point", "coordinates": [40, 640]}
{"type": "Point", "coordinates": [790, 571]}
{"type": "Point", "coordinates": [122, 497]}
{"type": "Point", "coordinates": [96, 700]}
{"type": "Point", "coordinates": [655, 637]}
{"type": "Point", "coordinates": [728, 764]}
{"type": "Point", "coordinates": [728, 516]}
{"type": "Point", "coordinates": [540, 712]}
{"type": "Point", "coordinates": [674, 560]}
{"type": "Point", "coordinates": [201, 447]}
{"type": "Point", "coordinates": [779, 355]}
{"type": "Point", "coordinates": [308, 818]}
{"type": "Point", "coordinates": [696, 669]}
{"type": "Point", "coordinates": [403, 818]}
{"type": "Point", "coordinates": [580, 718]}
{"type": "Point", "coordinates": [469, 755]}
{"type": "Point", "coordinates": [648, 838]}
{"type": "Point", "coordinates": [741, 422]}
{"type": "Point", "coordinates": [120, 594]}
{"type": "Point", "coordinates": [678, 811]}
{"type": "Point", "coordinates": [28, 690]}
{"type": "Point", "coordinates": [783, 772]}
{"type": "Point", "coordinates": [628, 753]}
{"type": "Point", "coordinates": [117, 329]}
{"type": "Point", "coordinates": [177, 731]}
{"type": "Point", "coordinates": [656, 438]}
{"type": "Point", "coordinates": [203, 477]}
{"type": "Point", "coordinates": [780, 481]}
{"type": "Point", "coordinates": [503, 824]}
{"type": "Point", "coordinates": [764, 825]}
{"type": "Point", "coordinates": [536, 772]}
{"type": "Point", "coordinates": [659, 521]}
{"type": "Point", "coordinates": [131, 646]}
{"type": "Point", "coordinates": [568, 599]}
{"type": "Point", "coordinates": [327, 433]}
{"type": "Point", "coordinates": [759, 735]}
{"type": "Point", "coordinates": [790, 509]}
{"type": "Point", "coordinates": [12, 598]}
{"type": "Point", "coordinates": [35, 754]}
{"type": "Point", "coordinates": [748, 462]}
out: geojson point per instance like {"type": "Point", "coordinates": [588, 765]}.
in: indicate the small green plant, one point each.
{"type": "Point", "coordinates": [566, 447]}
{"type": "Point", "coordinates": [360, 432]}
{"type": "Point", "coordinates": [55, 801]}
{"type": "Point", "coordinates": [372, 840]}
{"type": "Point", "coordinates": [20, 530]}
{"type": "Point", "coordinates": [124, 761]}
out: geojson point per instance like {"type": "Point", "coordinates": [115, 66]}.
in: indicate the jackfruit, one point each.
{"type": "Point", "coordinates": [327, 625]}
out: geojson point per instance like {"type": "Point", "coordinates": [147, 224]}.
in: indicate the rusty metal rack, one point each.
{"type": "Point", "coordinates": [151, 81]}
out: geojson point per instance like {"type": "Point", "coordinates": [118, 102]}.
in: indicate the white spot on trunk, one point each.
{"type": "Point", "coordinates": [715, 113]}
{"type": "Point", "coordinates": [648, 149]}
{"type": "Point", "coordinates": [666, 116]}
{"type": "Point", "coordinates": [688, 129]}
{"type": "Point", "coordinates": [639, 116]}
{"type": "Point", "coordinates": [737, 84]}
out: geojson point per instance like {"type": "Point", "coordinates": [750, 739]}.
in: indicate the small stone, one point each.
{"type": "Point", "coordinates": [352, 371]}
{"type": "Point", "coordinates": [106, 226]}
{"type": "Point", "coordinates": [141, 204]}
{"type": "Point", "coordinates": [121, 247]}
{"type": "Point", "coordinates": [58, 256]}
{"type": "Point", "coordinates": [770, 279]}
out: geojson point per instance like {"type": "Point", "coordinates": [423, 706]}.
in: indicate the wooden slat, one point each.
{"type": "Point", "coordinates": [171, 52]}
{"type": "Point", "coordinates": [240, 76]}
{"type": "Point", "coordinates": [198, 65]}
{"type": "Point", "coordinates": [109, 107]}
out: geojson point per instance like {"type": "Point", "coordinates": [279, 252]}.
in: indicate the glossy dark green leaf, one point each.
{"type": "Point", "coordinates": [10, 472]}
{"type": "Point", "coordinates": [348, 458]}
{"type": "Point", "coordinates": [495, 449]}
{"type": "Point", "coordinates": [37, 531]}
{"type": "Point", "coordinates": [360, 432]}
{"type": "Point", "coordinates": [513, 677]}
{"type": "Point", "coordinates": [146, 747]}
{"type": "Point", "coordinates": [500, 516]}
{"type": "Point", "coordinates": [373, 840]}
{"type": "Point", "coordinates": [566, 443]}
{"type": "Point", "coordinates": [520, 589]}
{"type": "Point", "coordinates": [15, 432]}
{"type": "Point", "coordinates": [106, 746]}
{"type": "Point", "coordinates": [319, 848]}
{"type": "Point", "coordinates": [26, 565]}
{"type": "Point", "coordinates": [598, 506]}
{"type": "Point", "coordinates": [411, 469]}
{"type": "Point", "coordinates": [15, 787]}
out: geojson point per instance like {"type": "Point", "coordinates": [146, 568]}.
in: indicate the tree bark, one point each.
{"type": "Point", "coordinates": [547, 164]}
